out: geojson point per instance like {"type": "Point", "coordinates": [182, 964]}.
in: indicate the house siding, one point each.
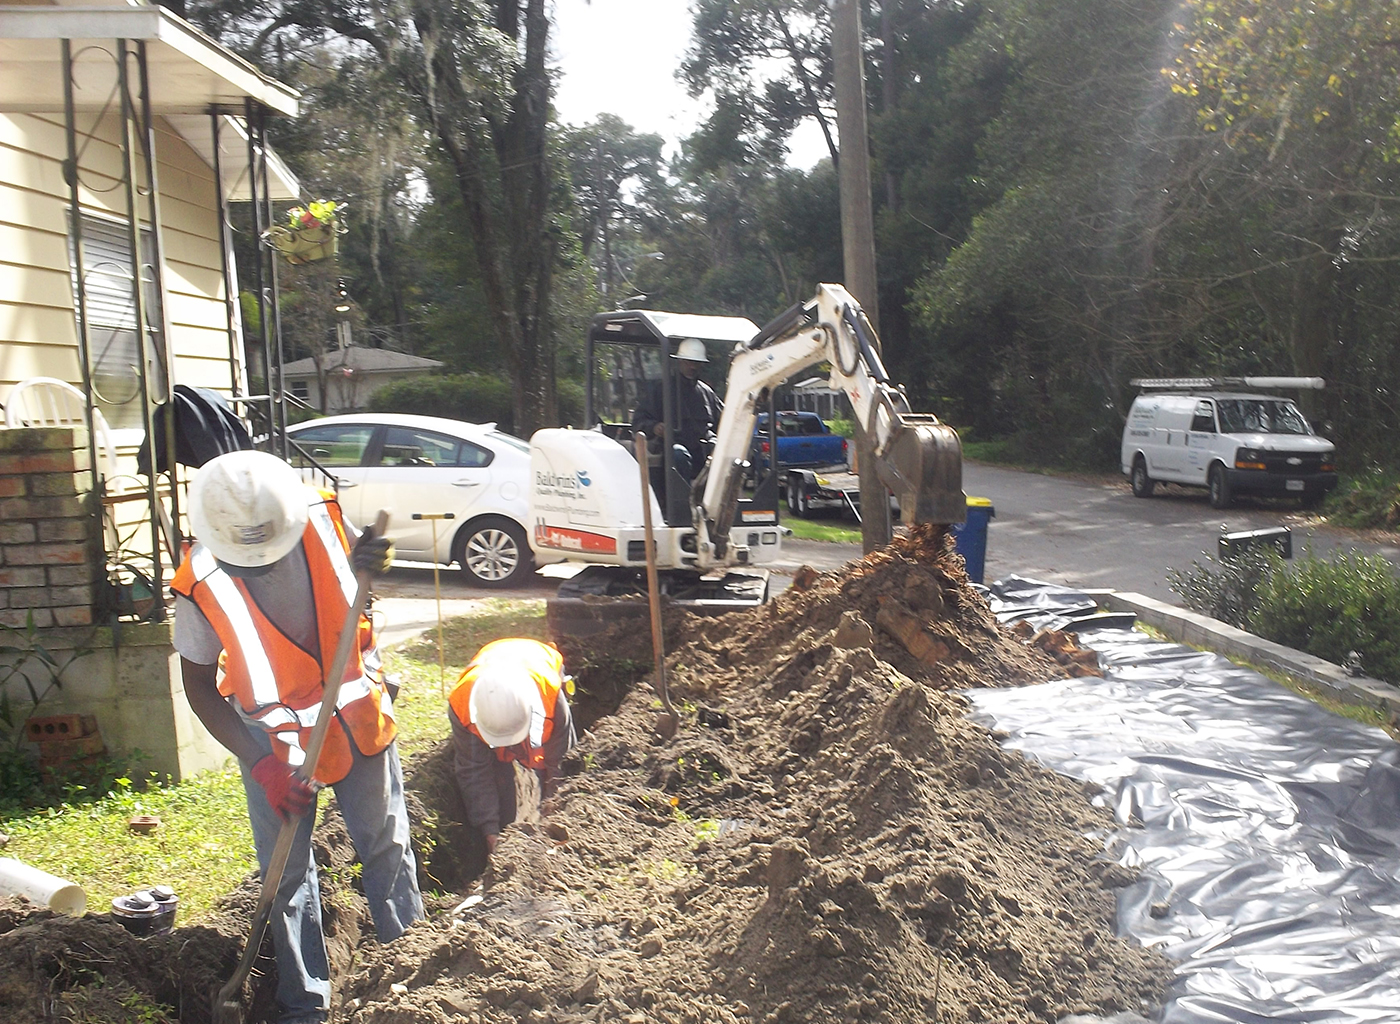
{"type": "Point", "coordinates": [38, 333]}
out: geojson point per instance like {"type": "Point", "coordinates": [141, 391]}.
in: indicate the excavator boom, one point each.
{"type": "Point", "coordinates": [916, 456]}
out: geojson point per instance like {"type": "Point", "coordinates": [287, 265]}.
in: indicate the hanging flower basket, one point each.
{"type": "Point", "coordinates": [312, 233]}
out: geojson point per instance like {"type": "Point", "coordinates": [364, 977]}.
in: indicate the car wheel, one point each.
{"type": "Point", "coordinates": [793, 486]}
{"type": "Point", "coordinates": [493, 552]}
{"type": "Point", "coordinates": [1143, 485]}
{"type": "Point", "coordinates": [1220, 496]}
{"type": "Point", "coordinates": [804, 508]}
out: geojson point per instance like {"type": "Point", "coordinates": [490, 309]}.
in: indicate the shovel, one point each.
{"type": "Point", "coordinates": [667, 722]}
{"type": "Point", "coordinates": [228, 1004]}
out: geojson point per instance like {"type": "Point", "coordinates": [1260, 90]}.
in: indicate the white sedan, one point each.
{"type": "Point", "coordinates": [472, 475]}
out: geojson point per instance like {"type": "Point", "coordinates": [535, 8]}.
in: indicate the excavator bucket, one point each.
{"type": "Point", "coordinates": [923, 467]}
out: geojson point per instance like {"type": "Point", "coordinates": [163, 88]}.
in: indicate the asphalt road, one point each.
{"type": "Point", "coordinates": [1088, 533]}
{"type": "Point", "coordinates": [1079, 532]}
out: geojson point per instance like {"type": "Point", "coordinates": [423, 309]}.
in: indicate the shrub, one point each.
{"type": "Point", "coordinates": [1371, 499]}
{"type": "Point", "coordinates": [1327, 608]}
{"type": "Point", "coordinates": [1330, 608]}
{"type": "Point", "coordinates": [475, 397]}
{"type": "Point", "coordinates": [1229, 594]}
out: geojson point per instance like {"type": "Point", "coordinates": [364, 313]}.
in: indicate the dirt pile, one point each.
{"type": "Point", "coordinates": [827, 838]}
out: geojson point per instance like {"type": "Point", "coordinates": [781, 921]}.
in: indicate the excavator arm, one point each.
{"type": "Point", "coordinates": [916, 456]}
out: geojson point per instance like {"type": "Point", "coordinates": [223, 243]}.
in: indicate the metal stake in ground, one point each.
{"type": "Point", "coordinates": [666, 722]}
{"type": "Point", "coordinates": [228, 1004]}
{"type": "Point", "coordinates": [437, 593]}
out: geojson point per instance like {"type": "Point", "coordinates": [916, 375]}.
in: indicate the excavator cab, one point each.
{"type": "Point", "coordinates": [630, 366]}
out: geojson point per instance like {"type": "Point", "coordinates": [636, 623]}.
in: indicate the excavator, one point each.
{"type": "Point", "coordinates": [712, 540]}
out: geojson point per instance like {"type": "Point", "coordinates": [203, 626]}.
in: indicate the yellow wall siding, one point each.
{"type": "Point", "coordinates": [37, 331]}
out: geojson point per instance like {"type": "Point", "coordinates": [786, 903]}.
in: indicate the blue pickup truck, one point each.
{"type": "Point", "coordinates": [813, 463]}
{"type": "Point", "coordinates": [803, 440]}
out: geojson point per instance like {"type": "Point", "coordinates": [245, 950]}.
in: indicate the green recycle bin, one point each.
{"type": "Point", "coordinates": [970, 538]}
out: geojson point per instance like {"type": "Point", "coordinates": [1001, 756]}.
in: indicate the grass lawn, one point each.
{"type": "Point", "coordinates": [204, 847]}
{"type": "Point", "coordinates": [836, 530]}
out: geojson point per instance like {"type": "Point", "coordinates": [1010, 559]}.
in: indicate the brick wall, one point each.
{"type": "Point", "coordinates": [50, 550]}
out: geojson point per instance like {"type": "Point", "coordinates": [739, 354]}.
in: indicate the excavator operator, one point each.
{"type": "Point", "coordinates": [695, 410]}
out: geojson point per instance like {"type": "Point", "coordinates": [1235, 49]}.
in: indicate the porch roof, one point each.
{"type": "Point", "coordinates": [189, 72]}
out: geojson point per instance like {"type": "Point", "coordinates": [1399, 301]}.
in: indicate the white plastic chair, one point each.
{"type": "Point", "coordinates": [50, 402]}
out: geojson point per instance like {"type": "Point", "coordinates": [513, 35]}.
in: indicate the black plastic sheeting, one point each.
{"type": "Point", "coordinates": [1267, 829]}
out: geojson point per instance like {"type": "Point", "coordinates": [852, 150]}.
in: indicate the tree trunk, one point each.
{"type": "Point", "coordinates": [514, 248]}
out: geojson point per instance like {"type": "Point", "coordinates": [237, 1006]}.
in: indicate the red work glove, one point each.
{"type": "Point", "coordinates": [286, 791]}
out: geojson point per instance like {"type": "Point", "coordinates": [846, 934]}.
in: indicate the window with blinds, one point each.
{"type": "Point", "coordinates": [113, 346]}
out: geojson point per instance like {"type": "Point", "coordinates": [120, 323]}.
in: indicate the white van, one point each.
{"type": "Point", "coordinates": [1204, 433]}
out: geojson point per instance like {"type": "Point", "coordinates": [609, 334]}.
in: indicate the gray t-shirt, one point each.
{"type": "Point", "coordinates": [283, 595]}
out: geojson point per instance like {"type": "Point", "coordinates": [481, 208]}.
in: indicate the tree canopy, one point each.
{"type": "Point", "coordinates": [1068, 195]}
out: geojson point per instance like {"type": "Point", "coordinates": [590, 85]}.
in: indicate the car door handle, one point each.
{"type": "Point", "coordinates": [342, 482]}
{"type": "Point", "coordinates": [466, 483]}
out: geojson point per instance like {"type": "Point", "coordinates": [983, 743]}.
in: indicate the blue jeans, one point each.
{"type": "Point", "coordinates": [371, 800]}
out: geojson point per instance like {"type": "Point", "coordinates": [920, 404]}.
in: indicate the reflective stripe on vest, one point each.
{"type": "Point", "coordinates": [261, 678]}
{"type": "Point", "coordinates": [537, 663]}
{"type": "Point", "coordinates": [276, 682]}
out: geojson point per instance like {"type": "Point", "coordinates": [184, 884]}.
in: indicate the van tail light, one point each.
{"type": "Point", "coordinates": [764, 448]}
{"type": "Point", "coordinates": [1327, 467]}
{"type": "Point", "coordinates": [845, 448]}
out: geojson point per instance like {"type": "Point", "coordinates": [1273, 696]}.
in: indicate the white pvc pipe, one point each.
{"type": "Point", "coordinates": [19, 879]}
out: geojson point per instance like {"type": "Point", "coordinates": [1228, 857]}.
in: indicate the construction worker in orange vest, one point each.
{"type": "Point", "coordinates": [509, 706]}
{"type": "Point", "coordinates": [261, 600]}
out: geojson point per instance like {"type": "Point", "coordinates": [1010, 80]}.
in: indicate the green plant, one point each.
{"type": "Point", "coordinates": [478, 397]}
{"type": "Point", "coordinates": [27, 661]}
{"type": "Point", "coordinates": [318, 213]}
{"type": "Point", "coordinates": [1328, 608]}
{"type": "Point", "coordinates": [1332, 608]}
{"type": "Point", "coordinates": [1369, 499]}
{"type": "Point", "coordinates": [846, 428]}
{"type": "Point", "coordinates": [1229, 593]}
{"type": "Point", "coordinates": [26, 658]}
{"type": "Point", "coordinates": [101, 1002]}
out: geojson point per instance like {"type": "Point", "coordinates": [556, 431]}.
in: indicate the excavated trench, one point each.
{"type": "Point", "coordinates": [827, 837]}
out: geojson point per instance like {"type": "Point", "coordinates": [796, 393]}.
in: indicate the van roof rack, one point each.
{"type": "Point", "coordinates": [1199, 383]}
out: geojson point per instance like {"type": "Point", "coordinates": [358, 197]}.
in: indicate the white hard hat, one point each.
{"type": "Point", "coordinates": [248, 508]}
{"type": "Point", "coordinates": [500, 707]}
{"type": "Point", "coordinates": [692, 349]}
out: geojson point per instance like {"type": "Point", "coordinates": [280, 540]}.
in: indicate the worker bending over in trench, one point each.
{"type": "Point", "coordinates": [261, 600]}
{"type": "Point", "coordinates": [509, 706]}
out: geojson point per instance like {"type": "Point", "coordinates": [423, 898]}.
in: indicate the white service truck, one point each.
{"type": "Point", "coordinates": [1224, 434]}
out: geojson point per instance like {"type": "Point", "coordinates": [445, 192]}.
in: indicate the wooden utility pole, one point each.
{"type": "Point", "coordinates": [858, 235]}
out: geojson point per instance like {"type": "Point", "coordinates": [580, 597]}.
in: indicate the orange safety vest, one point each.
{"type": "Point", "coordinates": [539, 664]}
{"type": "Point", "coordinates": [276, 682]}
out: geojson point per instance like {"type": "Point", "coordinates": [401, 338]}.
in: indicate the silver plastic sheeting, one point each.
{"type": "Point", "coordinates": [1267, 830]}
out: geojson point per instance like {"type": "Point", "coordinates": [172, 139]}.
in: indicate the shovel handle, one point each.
{"type": "Point", "coordinates": [226, 1003]}
{"type": "Point", "coordinates": [658, 634]}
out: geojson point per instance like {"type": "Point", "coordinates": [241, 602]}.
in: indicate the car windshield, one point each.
{"type": "Point", "coordinates": [1260, 416]}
